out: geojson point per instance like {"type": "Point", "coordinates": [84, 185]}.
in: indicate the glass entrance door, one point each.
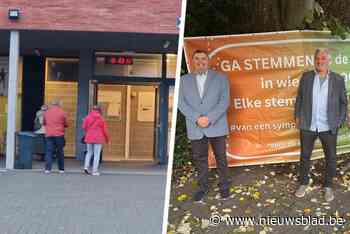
{"type": "Point", "coordinates": [143, 113]}
{"type": "Point", "coordinates": [112, 99]}
{"type": "Point", "coordinates": [130, 113]}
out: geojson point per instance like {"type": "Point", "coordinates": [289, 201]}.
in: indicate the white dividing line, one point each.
{"type": "Point", "coordinates": [174, 114]}
{"type": "Point", "coordinates": [275, 42]}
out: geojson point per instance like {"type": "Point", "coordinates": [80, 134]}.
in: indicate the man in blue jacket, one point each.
{"type": "Point", "coordinates": [320, 110]}
{"type": "Point", "coordinates": [204, 98]}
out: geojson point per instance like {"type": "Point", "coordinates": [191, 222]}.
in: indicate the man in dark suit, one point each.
{"type": "Point", "coordinates": [204, 98]}
{"type": "Point", "coordinates": [320, 109]}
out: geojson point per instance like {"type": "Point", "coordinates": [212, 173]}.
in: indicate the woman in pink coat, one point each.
{"type": "Point", "coordinates": [96, 135]}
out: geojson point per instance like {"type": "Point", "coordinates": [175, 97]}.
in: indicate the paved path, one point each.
{"type": "Point", "coordinates": [34, 203]}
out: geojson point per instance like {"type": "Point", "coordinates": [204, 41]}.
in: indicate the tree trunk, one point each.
{"type": "Point", "coordinates": [293, 13]}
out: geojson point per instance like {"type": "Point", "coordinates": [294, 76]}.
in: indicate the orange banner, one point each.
{"type": "Point", "coordinates": [264, 71]}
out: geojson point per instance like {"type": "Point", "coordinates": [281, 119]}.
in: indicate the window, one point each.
{"type": "Point", "coordinates": [62, 69]}
{"type": "Point", "coordinates": [128, 64]}
{"type": "Point", "coordinates": [171, 65]}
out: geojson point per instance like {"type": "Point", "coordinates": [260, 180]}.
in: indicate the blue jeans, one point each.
{"type": "Point", "coordinates": [54, 145]}
{"type": "Point", "coordinates": [93, 150]}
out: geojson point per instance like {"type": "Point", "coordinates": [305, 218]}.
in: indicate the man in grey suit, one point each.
{"type": "Point", "coordinates": [320, 109]}
{"type": "Point", "coordinates": [204, 98]}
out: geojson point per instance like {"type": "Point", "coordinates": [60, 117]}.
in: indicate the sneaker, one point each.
{"type": "Point", "coordinates": [86, 171]}
{"type": "Point", "coordinates": [61, 171]}
{"type": "Point", "coordinates": [96, 173]}
{"type": "Point", "coordinates": [225, 194]}
{"type": "Point", "coordinates": [328, 195]}
{"type": "Point", "coordinates": [47, 171]}
{"type": "Point", "coordinates": [301, 191]}
{"type": "Point", "coordinates": [198, 196]}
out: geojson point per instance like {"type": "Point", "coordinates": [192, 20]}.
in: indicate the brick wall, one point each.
{"type": "Point", "coordinates": [146, 16]}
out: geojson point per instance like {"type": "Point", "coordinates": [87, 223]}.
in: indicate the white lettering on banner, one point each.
{"type": "Point", "coordinates": [230, 66]}
{"type": "Point", "coordinates": [346, 76]}
{"type": "Point", "coordinates": [266, 63]}
{"type": "Point", "coordinates": [262, 126]}
{"type": "Point", "coordinates": [241, 128]}
{"type": "Point", "coordinates": [250, 103]}
{"type": "Point", "coordinates": [281, 62]}
{"type": "Point", "coordinates": [246, 103]}
{"type": "Point", "coordinates": [285, 83]}
{"type": "Point", "coordinates": [279, 102]}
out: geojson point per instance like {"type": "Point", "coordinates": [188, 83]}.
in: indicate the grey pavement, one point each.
{"type": "Point", "coordinates": [32, 202]}
{"type": "Point", "coordinates": [75, 166]}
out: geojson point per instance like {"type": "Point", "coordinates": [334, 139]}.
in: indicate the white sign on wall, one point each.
{"type": "Point", "coordinates": [4, 66]}
{"type": "Point", "coordinates": [146, 107]}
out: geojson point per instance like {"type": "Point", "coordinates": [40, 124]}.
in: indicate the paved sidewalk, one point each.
{"type": "Point", "coordinates": [75, 166]}
{"type": "Point", "coordinates": [74, 203]}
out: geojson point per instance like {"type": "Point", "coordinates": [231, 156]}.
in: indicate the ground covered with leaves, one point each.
{"type": "Point", "coordinates": [263, 193]}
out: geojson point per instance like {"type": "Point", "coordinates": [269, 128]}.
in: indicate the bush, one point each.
{"type": "Point", "coordinates": [182, 148]}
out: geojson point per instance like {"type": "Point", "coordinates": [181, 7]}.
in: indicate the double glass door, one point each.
{"type": "Point", "coordinates": [131, 113]}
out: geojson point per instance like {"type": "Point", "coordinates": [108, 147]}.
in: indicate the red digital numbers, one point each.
{"type": "Point", "coordinates": [120, 60]}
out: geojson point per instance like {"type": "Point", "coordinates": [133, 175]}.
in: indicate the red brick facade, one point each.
{"type": "Point", "coordinates": [145, 16]}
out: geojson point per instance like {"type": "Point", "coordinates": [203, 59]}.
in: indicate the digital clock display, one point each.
{"type": "Point", "coordinates": [119, 60]}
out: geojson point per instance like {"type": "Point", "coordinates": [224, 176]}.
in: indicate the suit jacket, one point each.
{"type": "Point", "coordinates": [336, 103]}
{"type": "Point", "coordinates": [213, 104]}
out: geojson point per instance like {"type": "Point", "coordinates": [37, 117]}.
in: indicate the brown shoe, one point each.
{"type": "Point", "coordinates": [301, 191]}
{"type": "Point", "coordinates": [328, 194]}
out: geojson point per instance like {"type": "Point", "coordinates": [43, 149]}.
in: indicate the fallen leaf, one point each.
{"type": "Point", "coordinates": [248, 211]}
{"type": "Point", "coordinates": [318, 213]}
{"type": "Point", "coordinates": [256, 195]}
{"type": "Point", "coordinates": [306, 227]}
{"type": "Point", "coordinates": [307, 211]}
{"type": "Point", "coordinates": [184, 228]}
{"type": "Point", "coordinates": [205, 223]}
{"type": "Point", "coordinates": [314, 200]}
{"type": "Point", "coordinates": [336, 214]}
{"type": "Point", "coordinates": [272, 201]}
{"type": "Point", "coordinates": [182, 197]}
{"type": "Point", "coordinates": [238, 191]}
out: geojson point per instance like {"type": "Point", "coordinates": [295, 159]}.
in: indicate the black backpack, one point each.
{"type": "Point", "coordinates": [37, 124]}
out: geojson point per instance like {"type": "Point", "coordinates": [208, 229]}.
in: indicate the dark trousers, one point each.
{"type": "Point", "coordinates": [41, 145]}
{"type": "Point", "coordinates": [329, 141]}
{"type": "Point", "coordinates": [200, 157]}
{"type": "Point", "coordinates": [54, 145]}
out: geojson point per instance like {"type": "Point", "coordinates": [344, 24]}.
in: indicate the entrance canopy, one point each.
{"type": "Point", "coordinates": [68, 43]}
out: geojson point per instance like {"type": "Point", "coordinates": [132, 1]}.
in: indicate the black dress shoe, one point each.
{"type": "Point", "coordinates": [225, 194]}
{"type": "Point", "coordinates": [198, 196]}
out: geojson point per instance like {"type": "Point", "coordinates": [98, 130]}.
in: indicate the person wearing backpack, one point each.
{"type": "Point", "coordinates": [96, 135]}
{"type": "Point", "coordinates": [39, 128]}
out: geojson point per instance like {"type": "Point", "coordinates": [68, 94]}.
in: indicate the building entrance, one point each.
{"type": "Point", "coordinates": [131, 115]}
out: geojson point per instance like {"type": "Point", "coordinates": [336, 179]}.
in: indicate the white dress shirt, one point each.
{"type": "Point", "coordinates": [201, 78]}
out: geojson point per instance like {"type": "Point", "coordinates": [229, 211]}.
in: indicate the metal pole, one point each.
{"type": "Point", "coordinates": [12, 99]}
